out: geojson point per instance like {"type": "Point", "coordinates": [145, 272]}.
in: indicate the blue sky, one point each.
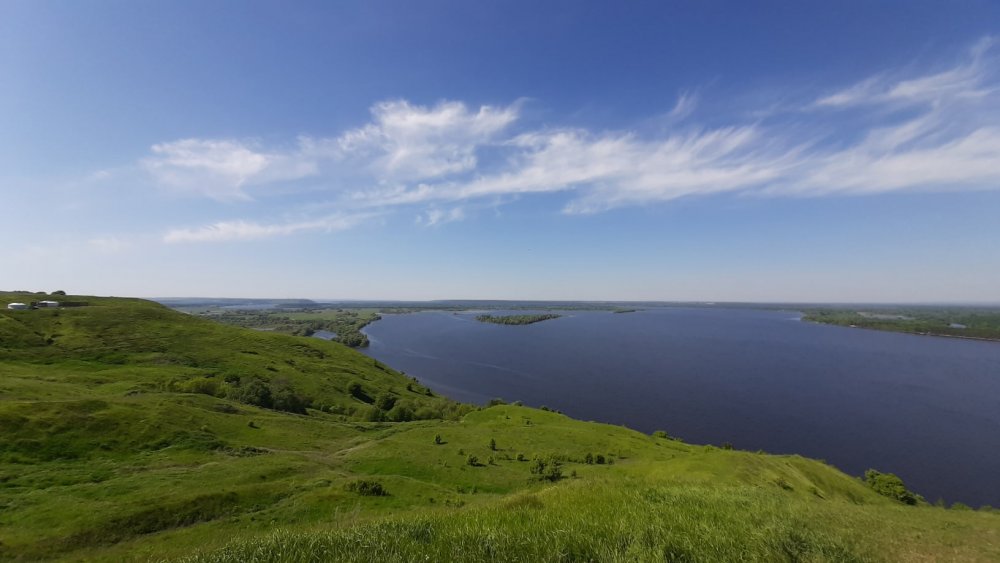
{"type": "Point", "coordinates": [722, 151]}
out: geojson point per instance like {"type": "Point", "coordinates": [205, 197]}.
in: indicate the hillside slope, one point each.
{"type": "Point", "coordinates": [106, 454]}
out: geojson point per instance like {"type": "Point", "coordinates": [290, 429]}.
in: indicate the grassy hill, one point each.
{"type": "Point", "coordinates": [126, 434]}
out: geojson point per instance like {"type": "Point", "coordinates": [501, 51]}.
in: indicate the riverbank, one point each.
{"type": "Point", "coordinates": [963, 323]}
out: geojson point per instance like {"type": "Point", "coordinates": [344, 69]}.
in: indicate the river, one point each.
{"type": "Point", "coordinates": [925, 408]}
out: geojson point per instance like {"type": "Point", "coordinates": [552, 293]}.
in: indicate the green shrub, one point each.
{"type": "Point", "coordinates": [889, 485]}
{"type": "Point", "coordinates": [355, 389]}
{"type": "Point", "coordinates": [287, 400]}
{"type": "Point", "coordinates": [547, 469]}
{"type": "Point", "coordinates": [366, 488]}
{"type": "Point", "coordinates": [400, 413]}
{"type": "Point", "coordinates": [202, 385]}
{"type": "Point", "coordinates": [385, 401]}
{"type": "Point", "coordinates": [253, 392]}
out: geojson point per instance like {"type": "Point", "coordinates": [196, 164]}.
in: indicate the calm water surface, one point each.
{"type": "Point", "coordinates": [925, 408]}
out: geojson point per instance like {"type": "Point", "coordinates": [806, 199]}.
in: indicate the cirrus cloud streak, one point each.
{"type": "Point", "coordinates": [935, 131]}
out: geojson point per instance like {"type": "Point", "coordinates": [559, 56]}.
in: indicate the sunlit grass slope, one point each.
{"type": "Point", "coordinates": [114, 345]}
{"type": "Point", "coordinates": [102, 458]}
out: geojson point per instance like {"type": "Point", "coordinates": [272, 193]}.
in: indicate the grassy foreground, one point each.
{"type": "Point", "coordinates": [108, 453]}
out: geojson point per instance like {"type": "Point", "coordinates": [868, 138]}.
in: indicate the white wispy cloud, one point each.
{"type": "Point", "coordinates": [614, 169]}
{"type": "Point", "coordinates": [685, 106]}
{"type": "Point", "coordinates": [937, 130]}
{"type": "Point", "coordinates": [437, 216]}
{"type": "Point", "coordinates": [966, 80]}
{"type": "Point", "coordinates": [948, 140]}
{"type": "Point", "coordinates": [240, 230]}
{"type": "Point", "coordinates": [408, 142]}
{"type": "Point", "coordinates": [222, 168]}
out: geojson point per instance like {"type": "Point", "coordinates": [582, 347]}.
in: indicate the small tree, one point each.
{"type": "Point", "coordinates": [438, 440]}
{"type": "Point", "coordinates": [589, 458]}
{"type": "Point", "coordinates": [553, 470]}
{"type": "Point", "coordinates": [253, 392]}
{"type": "Point", "coordinates": [472, 460]}
{"type": "Point", "coordinates": [547, 469]}
{"type": "Point", "coordinates": [493, 445]}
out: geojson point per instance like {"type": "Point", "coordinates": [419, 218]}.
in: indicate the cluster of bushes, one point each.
{"type": "Point", "coordinates": [663, 434]}
{"type": "Point", "coordinates": [276, 394]}
{"type": "Point", "coordinates": [366, 488]}
{"type": "Point", "coordinates": [599, 459]}
{"type": "Point", "coordinates": [889, 485]}
{"type": "Point", "coordinates": [549, 469]}
{"type": "Point", "coordinates": [390, 407]}
{"type": "Point", "coordinates": [279, 394]}
{"type": "Point", "coordinates": [353, 339]}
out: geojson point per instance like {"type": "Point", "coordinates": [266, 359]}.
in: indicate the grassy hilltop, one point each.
{"type": "Point", "coordinates": [132, 432]}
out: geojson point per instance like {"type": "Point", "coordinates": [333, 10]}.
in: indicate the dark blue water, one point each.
{"type": "Point", "coordinates": [925, 408]}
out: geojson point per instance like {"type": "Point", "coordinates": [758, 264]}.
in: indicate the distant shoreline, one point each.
{"type": "Point", "coordinates": [913, 333]}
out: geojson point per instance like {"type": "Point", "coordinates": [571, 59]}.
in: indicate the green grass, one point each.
{"type": "Point", "coordinates": [101, 458]}
{"type": "Point", "coordinates": [634, 520]}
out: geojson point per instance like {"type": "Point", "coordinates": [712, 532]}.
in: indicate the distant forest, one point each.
{"type": "Point", "coordinates": [516, 319]}
{"type": "Point", "coordinates": [967, 322]}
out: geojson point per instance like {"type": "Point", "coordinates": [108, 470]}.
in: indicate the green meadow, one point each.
{"type": "Point", "coordinates": [132, 432]}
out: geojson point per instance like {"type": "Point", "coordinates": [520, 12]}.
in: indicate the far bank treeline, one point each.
{"type": "Point", "coordinates": [966, 322]}
{"type": "Point", "coordinates": [516, 319]}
